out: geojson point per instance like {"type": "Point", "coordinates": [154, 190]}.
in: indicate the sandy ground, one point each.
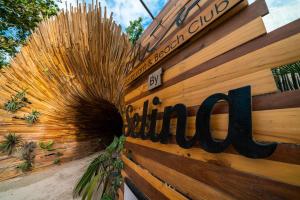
{"type": "Point", "coordinates": [56, 182]}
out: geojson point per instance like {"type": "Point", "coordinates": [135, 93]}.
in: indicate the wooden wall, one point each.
{"type": "Point", "coordinates": [233, 52]}
{"type": "Point", "coordinates": [72, 68]}
{"type": "Point", "coordinates": [66, 143]}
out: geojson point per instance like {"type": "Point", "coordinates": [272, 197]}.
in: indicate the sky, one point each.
{"type": "Point", "coordinates": [128, 10]}
{"type": "Point", "coordinates": [281, 11]}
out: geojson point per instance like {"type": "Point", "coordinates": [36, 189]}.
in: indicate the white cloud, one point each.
{"type": "Point", "coordinates": [125, 11]}
{"type": "Point", "coordinates": [128, 10]}
{"type": "Point", "coordinates": [62, 3]}
{"type": "Point", "coordinates": [281, 12]}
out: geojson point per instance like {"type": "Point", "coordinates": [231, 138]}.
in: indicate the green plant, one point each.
{"type": "Point", "coordinates": [25, 166]}
{"type": "Point", "coordinates": [47, 145]}
{"type": "Point", "coordinates": [13, 105]}
{"type": "Point", "coordinates": [22, 96]}
{"type": "Point", "coordinates": [56, 161]}
{"type": "Point", "coordinates": [135, 30]}
{"type": "Point", "coordinates": [27, 155]}
{"type": "Point", "coordinates": [16, 102]}
{"type": "Point", "coordinates": [102, 178]}
{"type": "Point", "coordinates": [32, 117]}
{"type": "Point", "coordinates": [17, 19]}
{"type": "Point", "coordinates": [10, 142]}
{"type": "Point", "coordinates": [58, 154]}
{"type": "Point", "coordinates": [287, 77]}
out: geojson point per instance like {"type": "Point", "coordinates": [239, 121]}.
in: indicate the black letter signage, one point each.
{"type": "Point", "coordinates": [239, 130]}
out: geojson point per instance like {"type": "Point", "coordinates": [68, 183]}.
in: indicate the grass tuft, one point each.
{"type": "Point", "coordinates": [10, 142]}
{"type": "Point", "coordinates": [16, 102]}
{"type": "Point", "coordinates": [47, 145]}
{"type": "Point", "coordinates": [32, 117]}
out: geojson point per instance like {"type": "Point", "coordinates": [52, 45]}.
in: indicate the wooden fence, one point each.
{"type": "Point", "coordinates": [232, 52]}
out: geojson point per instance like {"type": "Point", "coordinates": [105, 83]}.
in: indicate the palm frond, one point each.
{"type": "Point", "coordinates": [103, 175]}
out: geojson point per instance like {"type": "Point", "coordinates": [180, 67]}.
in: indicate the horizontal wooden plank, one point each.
{"type": "Point", "coordinates": [191, 92]}
{"type": "Point", "coordinates": [193, 13]}
{"type": "Point", "coordinates": [153, 181]}
{"type": "Point", "coordinates": [240, 36]}
{"type": "Point", "coordinates": [276, 124]}
{"type": "Point", "coordinates": [285, 152]}
{"type": "Point", "coordinates": [280, 125]}
{"type": "Point", "coordinates": [276, 54]}
{"type": "Point", "coordinates": [145, 187]}
{"type": "Point", "coordinates": [162, 14]}
{"type": "Point", "coordinates": [216, 174]}
{"type": "Point", "coordinates": [275, 36]}
{"type": "Point", "coordinates": [165, 17]}
{"type": "Point", "coordinates": [256, 9]}
{"type": "Point", "coordinates": [189, 186]}
{"type": "Point", "coordinates": [271, 101]}
{"type": "Point", "coordinates": [168, 19]}
{"type": "Point", "coordinates": [281, 172]}
{"type": "Point", "coordinates": [44, 159]}
{"type": "Point", "coordinates": [184, 34]}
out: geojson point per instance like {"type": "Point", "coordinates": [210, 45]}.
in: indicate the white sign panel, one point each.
{"type": "Point", "coordinates": [128, 194]}
{"type": "Point", "coordinates": [154, 79]}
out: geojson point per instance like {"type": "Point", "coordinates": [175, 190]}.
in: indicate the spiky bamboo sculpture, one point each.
{"type": "Point", "coordinates": [72, 71]}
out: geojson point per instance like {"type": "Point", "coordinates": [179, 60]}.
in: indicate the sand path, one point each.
{"type": "Point", "coordinates": [56, 182]}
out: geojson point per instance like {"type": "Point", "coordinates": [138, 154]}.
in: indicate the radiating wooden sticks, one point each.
{"type": "Point", "coordinates": [75, 59]}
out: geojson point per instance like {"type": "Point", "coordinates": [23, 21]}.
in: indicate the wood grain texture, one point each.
{"type": "Point", "coordinates": [240, 36]}
{"type": "Point", "coordinates": [217, 175]}
{"type": "Point", "coordinates": [276, 54]}
{"type": "Point", "coordinates": [233, 52]}
{"type": "Point", "coordinates": [73, 63]}
{"type": "Point", "coordinates": [120, 194]}
{"type": "Point", "coordinates": [281, 125]}
{"type": "Point", "coordinates": [163, 188]}
{"type": "Point", "coordinates": [261, 82]}
{"type": "Point", "coordinates": [256, 9]}
{"type": "Point", "coordinates": [189, 186]}
{"type": "Point", "coordinates": [275, 36]}
{"type": "Point", "coordinates": [146, 188]}
{"type": "Point", "coordinates": [285, 152]}
{"type": "Point", "coordinates": [269, 101]}
{"type": "Point", "coordinates": [184, 32]}
{"type": "Point", "coordinates": [281, 172]}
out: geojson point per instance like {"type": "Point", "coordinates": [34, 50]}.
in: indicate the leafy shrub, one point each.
{"type": "Point", "coordinates": [135, 30]}
{"type": "Point", "coordinates": [58, 154]}
{"type": "Point", "coordinates": [28, 156]}
{"type": "Point", "coordinates": [13, 105]}
{"type": "Point", "coordinates": [10, 142]}
{"type": "Point", "coordinates": [25, 166]}
{"type": "Point", "coordinates": [47, 145]}
{"type": "Point", "coordinates": [102, 178]}
{"type": "Point", "coordinates": [56, 161]}
{"type": "Point", "coordinates": [287, 77]}
{"type": "Point", "coordinates": [32, 117]}
{"type": "Point", "coordinates": [16, 102]}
